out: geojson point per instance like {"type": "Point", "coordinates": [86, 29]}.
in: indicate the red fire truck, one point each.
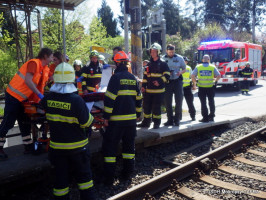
{"type": "Point", "coordinates": [230, 57]}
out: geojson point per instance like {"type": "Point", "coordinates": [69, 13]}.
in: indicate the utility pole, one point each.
{"type": "Point", "coordinates": [63, 23]}
{"type": "Point", "coordinates": [136, 41]}
{"type": "Point", "coordinates": [253, 20]}
{"type": "Point", "coordinates": [126, 12]}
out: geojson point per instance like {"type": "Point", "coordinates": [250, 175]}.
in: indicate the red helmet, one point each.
{"type": "Point", "coordinates": [121, 56]}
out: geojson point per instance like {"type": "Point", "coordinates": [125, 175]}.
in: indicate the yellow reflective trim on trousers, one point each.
{"type": "Point", "coordinates": [122, 117]}
{"type": "Point", "coordinates": [144, 80]}
{"type": "Point", "coordinates": [138, 109]}
{"type": "Point", "coordinates": [155, 90]}
{"type": "Point", "coordinates": [139, 97]}
{"type": "Point", "coordinates": [85, 186]}
{"type": "Point", "coordinates": [88, 123]}
{"type": "Point", "coordinates": [147, 115]}
{"type": "Point", "coordinates": [157, 116]}
{"type": "Point", "coordinates": [128, 156]}
{"type": "Point", "coordinates": [110, 159]}
{"type": "Point", "coordinates": [164, 79]}
{"type": "Point", "coordinates": [60, 192]}
{"type": "Point", "coordinates": [166, 73]}
{"type": "Point", "coordinates": [127, 92]}
{"type": "Point", "coordinates": [110, 95]}
{"type": "Point", "coordinates": [84, 83]}
{"type": "Point", "coordinates": [107, 109]}
{"type": "Point", "coordinates": [61, 118]}
{"type": "Point", "coordinates": [73, 145]}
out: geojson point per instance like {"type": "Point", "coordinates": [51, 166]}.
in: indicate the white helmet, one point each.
{"type": "Point", "coordinates": [64, 73]}
{"type": "Point", "coordinates": [77, 62]}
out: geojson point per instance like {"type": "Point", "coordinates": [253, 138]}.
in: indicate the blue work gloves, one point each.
{"type": "Point", "coordinates": [106, 66]}
{"type": "Point", "coordinates": [79, 79]}
{"type": "Point", "coordinates": [40, 95]}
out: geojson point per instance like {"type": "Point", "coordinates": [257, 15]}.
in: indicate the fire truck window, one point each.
{"type": "Point", "coordinates": [243, 53]}
{"type": "Point", "coordinates": [237, 54]}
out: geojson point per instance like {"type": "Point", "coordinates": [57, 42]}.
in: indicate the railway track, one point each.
{"type": "Point", "coordinates": [169, 181]}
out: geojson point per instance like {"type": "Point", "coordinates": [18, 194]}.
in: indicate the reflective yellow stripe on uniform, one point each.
{"type": "Point", "coordinates": [144, 80]}
{"type": "Point", "coordinates": [127, 92]}
{"type": "Point", "coordinates": [110, 159]}
{"type": "Point", "coordinates": [147, 115]}
{"type": "Point", "coordinates": [128, 156]}
{"type": "Point", "coordinates": [107, 109]}
{"type": "Point", "coordinates": [164, 79]}
{"type": "Point", "coordinates": [84, 83]}
{"type": "Point", "coordinates": [95, 76]}
{"type": "Point", "coordinates": [61, 192]}
{"type": "Point", "coordinates": [157, 116]}
{"type": "Point", "coordinates": [90, 88]}
{"type": "Point", "coordinates": [155, 90]}
{"type": "Point", "coordinates": [168, 73]}
{"type": "Point", "coordinates": [61, 118]}
{"type": "Point", "coordinates": [85, 186]}
{"type": "Point", "coordinates": [122, 117]}
{"type": "Point", "coordinates": [88, 123]}
{"type": "Point", "coordinates": [138, 109]}
{"type": "Point", "coordinates": [110, 95]}
{"type": "Point", "coordinates": [84, 75]}
{"type": "Point", "coordinates": [139, 97]}
{"type": "Point", "coordinates": [73, 145]}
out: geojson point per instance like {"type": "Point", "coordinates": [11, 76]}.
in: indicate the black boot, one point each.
{"type": "Point", "coordinates": [145, 123]}
{"type": "Point", "coordinates": [169, 123]}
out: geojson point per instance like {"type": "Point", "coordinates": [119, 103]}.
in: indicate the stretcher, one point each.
{"type": "Point", "coordinates": [39, 124]}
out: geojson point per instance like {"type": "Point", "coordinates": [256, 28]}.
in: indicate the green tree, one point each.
{"type": "Point", "coordinates": [214, 11]}
{"type": "Point", "coordinates": [107, 16]}
{"type": "Point", "coordinates": [172, 17]}
{"type": "Point", "coordinates": [8, 65]}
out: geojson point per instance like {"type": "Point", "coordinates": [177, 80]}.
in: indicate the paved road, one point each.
{"type": "Point", "coordinates": [233, 103]}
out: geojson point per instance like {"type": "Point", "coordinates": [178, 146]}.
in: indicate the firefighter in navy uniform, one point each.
{"type": "Point", "coordinates": [156, 74]}
{"type": "Point", "coordinates": [91, 73]}
{"type": "Point", "coordinates": [67, 116]}
{"type": "Point", "coordinates": [246, 73]}
{"type": "Point", "coordinates": [122, 107]}
{"type": "Point", "coordinates": [188, 90]}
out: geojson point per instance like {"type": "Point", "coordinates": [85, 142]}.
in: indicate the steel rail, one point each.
{"type": "Point", "coordinates": [164, 180]}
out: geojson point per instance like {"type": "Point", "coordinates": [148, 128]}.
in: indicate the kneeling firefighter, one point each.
{"type": "Point", "coordinates": [122, 106]}
{"type": "Point", "coordinates": [67, 116]}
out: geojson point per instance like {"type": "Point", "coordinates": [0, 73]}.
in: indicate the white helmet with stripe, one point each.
{"type": "Point", "coordinates": [64, 73]}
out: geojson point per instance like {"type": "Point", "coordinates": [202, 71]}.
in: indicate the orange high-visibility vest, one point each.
{"type": "Point", "coordinates": [17, 86]}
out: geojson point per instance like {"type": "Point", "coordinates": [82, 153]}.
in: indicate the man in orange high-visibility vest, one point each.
{"type": "Point", "coordinates": [24, 86]}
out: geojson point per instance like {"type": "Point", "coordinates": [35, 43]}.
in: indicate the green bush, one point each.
{"type": "Point", "coordinates": [8, 67]}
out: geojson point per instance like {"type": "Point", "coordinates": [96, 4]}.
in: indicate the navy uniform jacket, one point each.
{"type": "Point", "coordinates": [67, 115]}
{"type": "Point", "coordinates": [92, 74]}
{"type": "Point", "coordinates": [156, 71]}
{"type": "Point", "coordinates": [122, 102]}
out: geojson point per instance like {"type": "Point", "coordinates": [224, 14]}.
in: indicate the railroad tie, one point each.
{"type": "Point", "coordinates": [242, 173]}
{"type": "Point", "coordinates": [250, 162]}
{"type": "Point", "coordinates": [232, 188]}
{"type": "Point", "coordinates": [262, 145]}
{"type": "Point", "coordinates": [259, 153]}
{"type": "Point", "coordinates": [191, 194]}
